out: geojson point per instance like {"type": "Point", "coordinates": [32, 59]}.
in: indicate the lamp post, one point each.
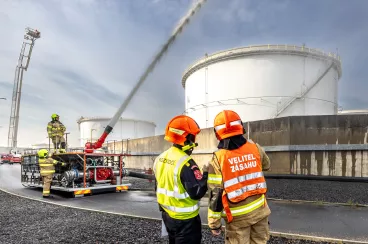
{"type": "Point", "coordinates": [2, 98]}
{"type": "Point", "coordinates": [66, 140]}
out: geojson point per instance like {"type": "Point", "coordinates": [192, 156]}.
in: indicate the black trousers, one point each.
{"type": "Point", "coordinates": [187, 231]}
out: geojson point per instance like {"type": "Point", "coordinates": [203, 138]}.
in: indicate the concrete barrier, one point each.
{"type": "Point", "coordinates": [333, 145]}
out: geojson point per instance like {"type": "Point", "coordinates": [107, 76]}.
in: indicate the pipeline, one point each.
{"type": "Point", "coordinates": [179, 29]}
{"type": "Point", "coordinates": [139, 175]}
{"type": "Point", "coordinates": [318, 177]}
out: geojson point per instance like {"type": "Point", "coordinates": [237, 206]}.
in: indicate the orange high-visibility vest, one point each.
{"type": "Point", "coordinates": [242, 174]}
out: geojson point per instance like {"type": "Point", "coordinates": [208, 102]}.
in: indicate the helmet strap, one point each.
{"type": "Point", "coordinates": [217, 136]}
{"type": "Point", "coordinates": [244, 132]}
{"type": "Point", "coordinates": [189, 146]}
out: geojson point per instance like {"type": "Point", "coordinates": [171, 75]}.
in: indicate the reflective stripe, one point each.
{"type": "Point", "coordinates": [47, 171]}
{"type": "Point", "coordinates": [247, 208]}
{"type": "Point", "coordinates": [176, 131]}
{"type": "Point", "coordinates": [45, 165]}
{"type": "Point", "coordinates": [176, 192]}
{"type": "Point", "coordinates": [182, 210]}
{"type": "Point", "coordinates": [215, 215]}
{"type": "Point", "coordinates": [242, 178]}
{"type": "Point", "coordinates": [176, 171]}
{"type": "Point", "coordinates": [214, 179]}
{"type": "Point", "coordinates": [172, 193]}
{"type": "Point", "coordinates": [223, 126]}
{"type": "Point", "coordinates": [46, 192]}
{"type": "Point", "coordinates": [244, 189]}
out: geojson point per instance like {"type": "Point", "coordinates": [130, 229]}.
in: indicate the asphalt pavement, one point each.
{"type": "Point", "coordinates": [332, 221]}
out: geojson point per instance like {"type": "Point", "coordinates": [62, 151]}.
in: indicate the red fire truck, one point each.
{"type": "Point", "coordinates": [11, 158]}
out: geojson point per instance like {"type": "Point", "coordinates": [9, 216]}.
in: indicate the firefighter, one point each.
{"type": "Point", "coordinates": [180, 184]}
{"type": "Point", "coordinates": [47, 169]}
{"type": "Point", "coordinates": [56, 131]}
{"type": "Point", "coordinates": [236, 184]}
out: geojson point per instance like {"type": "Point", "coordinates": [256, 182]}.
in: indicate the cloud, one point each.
{"type": "Point", "coordinates": [91, 53]}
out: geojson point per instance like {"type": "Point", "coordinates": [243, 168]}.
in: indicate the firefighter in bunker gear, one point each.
{"type": "Point", "coordinates": [180, 184]}
{"type": "Point", "coordinates": [56, 130]}
{"type": "Point", "coordinates": [47, 169]}
{"type": "Point", "coordinates": [236, 183]}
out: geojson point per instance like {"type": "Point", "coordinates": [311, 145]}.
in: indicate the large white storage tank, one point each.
{"type": "Point", "coordinates": [124, 129]}
{"type": "Point", "coordinates": [262, 82]}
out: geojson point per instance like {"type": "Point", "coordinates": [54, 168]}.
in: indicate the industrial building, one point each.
{"type": "Point", "coordinates": [262, 82]}
{"type": "Point", "coordinates": [91, 129]}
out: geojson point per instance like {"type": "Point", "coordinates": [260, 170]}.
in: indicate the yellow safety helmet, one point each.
{"type": "Point", "coordinates": [42, 153]}
{"type": "Point", "coordinates": [54, 116]}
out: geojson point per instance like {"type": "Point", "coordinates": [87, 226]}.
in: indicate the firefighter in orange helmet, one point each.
{"type": "Point", "coordinates": [237, 185]}
{"type": "Point", "coordinates": [180, 184]}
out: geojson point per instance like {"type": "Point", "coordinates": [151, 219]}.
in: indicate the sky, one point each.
{"type": "Point", "coordinates": [92, 52]}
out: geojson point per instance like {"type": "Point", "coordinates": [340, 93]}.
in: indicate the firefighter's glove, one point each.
{"type": "Point", "coordinates": [60, 164]}
{"type": "Point", "coordinates": [205, 167]}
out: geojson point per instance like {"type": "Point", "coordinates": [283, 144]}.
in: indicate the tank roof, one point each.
{"type": "Point", "coordinates": [85, 119]}
{"type": "Point", "coordinates": [258, 50]}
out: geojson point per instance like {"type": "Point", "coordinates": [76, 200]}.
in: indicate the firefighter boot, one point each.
{"type": "Point", "coordinates": [48, 197]}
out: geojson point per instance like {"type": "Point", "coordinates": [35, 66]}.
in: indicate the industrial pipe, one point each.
{"type": "Point", "coordinates": [317, 177]}
{"type": "Point", "coordinates": [140, 175]}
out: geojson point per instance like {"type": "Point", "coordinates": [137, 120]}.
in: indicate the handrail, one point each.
{"type": "Point", "coordinates": [240, 101]}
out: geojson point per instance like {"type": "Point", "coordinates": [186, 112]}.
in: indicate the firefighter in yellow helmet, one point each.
{"type": "Point", "coordinates": [236, 183]}
{"type": "Point", "coordinates": [47, 169]}
{"type": "Point", "coordinates": [56, 130]}
{"type": "Point", "coordinates": [180, 183]}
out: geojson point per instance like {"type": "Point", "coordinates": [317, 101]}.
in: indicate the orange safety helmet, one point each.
{"type": "Point", "coordinates": [179, 128]}
{"type": "Point", "coordinates": [227, 124]}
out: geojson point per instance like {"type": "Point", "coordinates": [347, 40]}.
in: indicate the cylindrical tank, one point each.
{"type": "Point", "coordinates": [124, 129]}
{"type": "Point", "coordinates": [262, 82]}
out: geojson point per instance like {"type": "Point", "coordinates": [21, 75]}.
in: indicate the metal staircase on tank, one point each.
{"type": "Point", "coordinates": [303, 93]}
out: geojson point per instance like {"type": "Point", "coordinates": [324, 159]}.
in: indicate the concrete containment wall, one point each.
{"type": "Point", "coordinates": [333, 145]}
{"type": "Point", "coordinates": [306, 130]}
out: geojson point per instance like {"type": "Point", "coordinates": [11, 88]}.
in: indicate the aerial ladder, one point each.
{"type": "Point", "coordinates": [30, 37]}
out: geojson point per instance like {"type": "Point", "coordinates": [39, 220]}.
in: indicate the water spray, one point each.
{"type": "Point", "coordinates": [89, 147]}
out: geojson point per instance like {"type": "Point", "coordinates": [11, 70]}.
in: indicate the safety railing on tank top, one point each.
{"type": "Point", "coordinates": [234, 51]}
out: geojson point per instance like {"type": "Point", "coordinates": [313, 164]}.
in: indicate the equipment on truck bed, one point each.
{"type": "Point", "coordinates": [82, 173]}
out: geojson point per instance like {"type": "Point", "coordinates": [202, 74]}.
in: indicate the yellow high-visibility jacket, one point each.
{"type": "Point", "coordinates": [171, 194]}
